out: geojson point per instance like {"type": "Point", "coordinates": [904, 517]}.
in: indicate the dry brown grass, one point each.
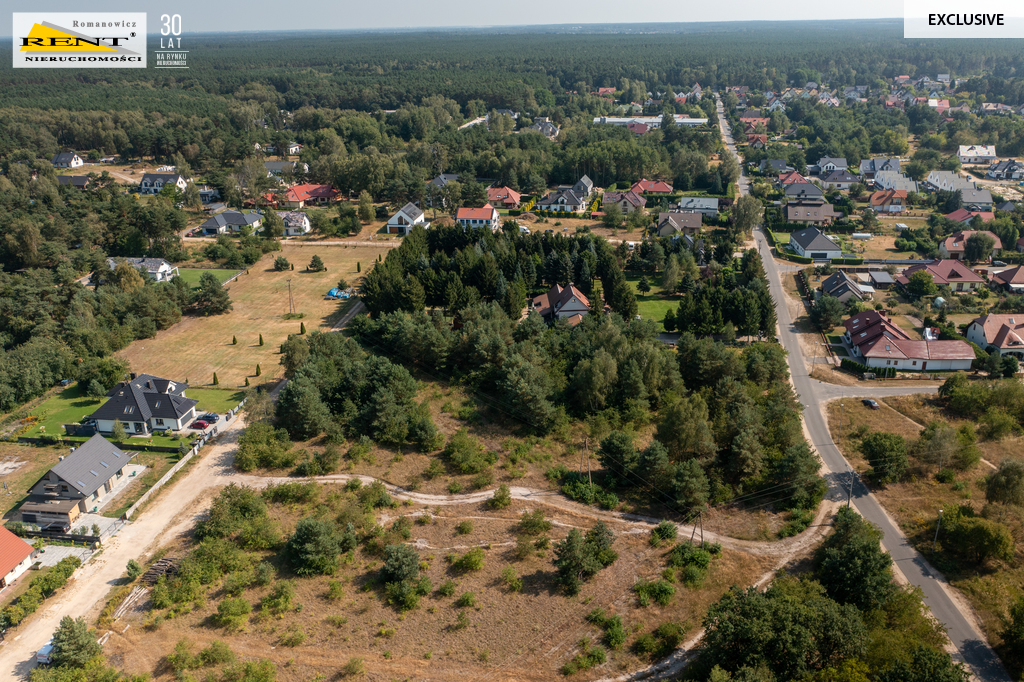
{"type": "Point", "coordinates": [22, 465]}
{"type": "Point", "coordinates": [197, 347]}
{"type": "Point", "coordinates": [522, 636]}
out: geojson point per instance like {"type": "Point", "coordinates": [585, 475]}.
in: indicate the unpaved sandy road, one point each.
{"type": "Point", "coordinates": [85, 593]}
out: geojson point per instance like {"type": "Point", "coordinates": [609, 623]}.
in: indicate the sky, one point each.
{"type": "Point", "coordinates": [254, 15]}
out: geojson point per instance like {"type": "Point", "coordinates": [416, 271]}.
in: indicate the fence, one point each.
{"type": "Point", "coordinates": [177, 467]}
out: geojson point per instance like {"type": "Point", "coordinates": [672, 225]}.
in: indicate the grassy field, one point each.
{"type": "Point", "coordinates": [71, 404]}
{"type": "Point", "coordinates": [192, 275]}
{"type": "Point", "coordinates": [654, 304]}
{"type": "Point", "coordinates": [197, 347]}
{"type": "Point", "coordinates": [23, 465]}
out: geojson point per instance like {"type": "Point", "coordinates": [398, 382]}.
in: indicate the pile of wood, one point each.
{"type": "Point", "coordinates": [133, 598]}
{"type": "Point", "coordinates": [164, 567]}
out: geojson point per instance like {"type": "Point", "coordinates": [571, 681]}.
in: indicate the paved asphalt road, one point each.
{"type": "Point", "coordinates": [971, 645]}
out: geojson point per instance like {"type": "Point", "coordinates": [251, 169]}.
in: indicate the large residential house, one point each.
{"type": "Point", "coordinates": [840, 285]}
{"type": "Point", "coordinates": [479, 218]}
{"type": "Point", "coordinates": [966, 217]}
{"type": "Point", "coordinates": [506, 197]}
{"type": "Point", "coordinates": [562, 303]}
{"type": "Point", "coordinates": [889, 201]}
{"type": "Point", "coordinates": [67, 160]}
{"type": "Point", "coordinates": [1002, 332]}
{"type": "Point", "coordinates": [144, 404]}
{"type": "Point", "coordinates": [76, 181]}
{"type": "Point", "coordinates": [279, 168]}
{"type": "Point", "coordinates": [157, 268]}
{"type": "Point", "coordinates": [790, 178]}
{"type": "Point", "coordinates": [977, 199]}
{"type": "Point", "coordinates": [153, 183]}
{"type": "Point", "coordinates": [827, 164]}
{"type": "Point", "coordinates": [951, 273]}
{"type": "Point", "coordinates": [894, 180]}
{"type": "Point", "coordinates": [545, 127]}
{"type": "Point", "coordinates": [301, 196]}
{"type": "Point", "coordinates": [811, 212]}
{"type": "Point", "coordinates": [707, 206]}
{"type": "Point", "coordinates": [870, 167]}
{"type": "Point", "coordinates": [976, 153]}
{"type": "Point", "coordinates": [562, 201]}
{"type": "Point", "coordinates": [840, 179]}
{"type": "Point", "coordinates": [405, 218]}
{"type": "Point", "coordinates": [627, 201]}
{"type": "Point", "coordinates": [76, 484]}
{"type": "Point", "coordinates": [1012, 280]}
{"type": "Point", "coordinates": [296, 223]}
{"type": "Point", "coordinates": [645, 186]}
{"type": "Point", "coordinates": [1009, 169]}
{"type": "Point", "coordinates": [292, 148]}
{"type": "Point", "coordinates": [953, 245]}
{"type": "Point", "coordinates": [676, 223]}
{"type": "Point", "coordinates": [803, 190]}
{"type": "Point", "coordinates": [15, 557]}
{"type": "Point", "coordinates": [230, 221]}
{"type": "Point", "coordinates": [876, 342]}
{"type": "Point", "coordinates": [774, 166]}
{"type": "Point", "coordinates": [812, 243]}
{"type": "Point", "coordinates": [948, 181]}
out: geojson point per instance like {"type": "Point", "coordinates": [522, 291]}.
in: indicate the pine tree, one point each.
{"type": "Point", "coordinates": [259, 370]}
{"type": "Point", "coordinates": [261, 339]}
{"type": "Point", "coordinates": [302, 327]}
{"type": "Point", "coordinates": [358, 267]}
{"type": "Point", "coordinates": [247, 381]}
{"type": "Point", "coordinates": [73, 645]}
{"type": "Point", "coordinates": [234, 340]}
{"type": "Point", "coordinates": [316, 264]}
{"type": "Point", "coordinates": [216, 382]}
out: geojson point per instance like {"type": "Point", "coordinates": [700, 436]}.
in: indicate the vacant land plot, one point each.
{"type": "Point", "coordinates": [197, 347]}
{"type": "Point", "coordinates": [655, 303]}
{"type": "Point", "coordinates": [192, 275]}
{"type": "Point", "coordinates": [471, 628]}
{"type": "Point", "coordinates": [20, 467]}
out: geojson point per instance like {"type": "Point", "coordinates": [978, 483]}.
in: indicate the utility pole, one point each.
{"type": "Point", "coordinates": [935, 542]}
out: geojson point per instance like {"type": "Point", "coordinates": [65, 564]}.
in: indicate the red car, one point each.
{"type": "Point", "coordinates": [199, 424]}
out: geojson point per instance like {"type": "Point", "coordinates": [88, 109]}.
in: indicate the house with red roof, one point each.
{"type": "Point", "coordinates": [638, 128]}
{"type": "Point", "coordinates": [757, 140]}
{"type": "Point", "coordinates": [479, 218]}
{"type": "Point", "coordinates": [562, 303]}
{"type": "Point", "coordinates": [15, 557]}
{"type": "Point", "coordinates": [953, 245]}
{"type": "Point", "coordinates": [962, 215]}
{"type": "Point", "coordinates": [889, 201]}
{"type": "Point", "coordinates": [1003, 332]}
{"type": "Point", "coordinates": [876, 342]}
{"type": "Point", "coordinates": [1012, 280]}
{"type": "Point", "coordinates": [506, 197]}
{"type": "Point", "coordinates": [791, 178]}
{"type": "Point", "coordinates": [605, 91]}
{"type": "Point", "coordinates": [301, 196]}
{"type": "Point", "coordinates": [950, 273]}
{"type": "Point", "coordinates": [645, 186]}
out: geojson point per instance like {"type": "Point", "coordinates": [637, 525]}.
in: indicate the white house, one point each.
{"type": "Point", "coordinates": [144, 404]}
{"type": "Point", "coordinates": [485, 217]}
{"type": "Point", "coordinates": [405, 218]}
{"type": "Point", "coordinates": [562, 303]}
{"type": "Point", "coordinates": [153, 183]}
{"type": "Point", "coordinates": [1002, 332]}
{"type": "Point", "coordinates": [67, 160]}
{"type": "Point", "coordinates": [812, 243]}
{"type": "Point", "coordinates": [15, 557]}
{"type": "Point", "coordinates": [296, 223]}
{"type": "Point", "coordinates": [158, 268]}
{"type": "Point", "coordinates": [976, 153]}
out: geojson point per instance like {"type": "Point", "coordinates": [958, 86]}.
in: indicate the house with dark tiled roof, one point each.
{"type": "Point", "coordinates": [869, 167]}
{"type": "Point", "coordinates": [67, 160]}
{"type": "Point", "coordinates": [1002, 332]}
{"type": "Point", "coordinates": [157, 268]}
{"type": "Point", "coordinates": [76, 483]}
{"type": "Point", "coordinates": [839, 179]}
{"type": "Point", "coordinates": [153, 183]}
{"type": "Point", "coordinates": [144, 404]}
{"type": "Point", "coordinates": [1009, 169]}
{"type": "Point", "coordinates": [707, 206]}
{"type": "Point", "coordinates": [562, 201]}
{"type": "Point", "coordinates": [296, 223]}
{"type": "Point", "coordinates": [675, 223]}
{"type": "Point", "coordinates": [812, 243]}
{"type": "Point", "coordinates": [811, 212]}
{"type": "Point", "coordinates": [827, 164]}
{"type": "Point", "coordinates": [1012, 280]}
{"type": "Point", "coordinates": [774, 166]}
{"type": "Point", "coordinates": [840, 285]}
{"type": "Point", "coordinates": [561, 303]}
{"type": "Point", "coordinates": [230, 221]}
{"type": "Point", "coordinates": [405, 219]}
{"type": "Point", "coordinates": [76, 181]}
{"type": "Point", "coordinates": [803, 190]}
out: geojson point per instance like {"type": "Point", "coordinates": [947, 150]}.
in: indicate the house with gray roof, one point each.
{"type": "Point", "coordinates": [67, 160]}
{"type": "Point", "coordinates": [827, 164]}
{"type": "Point", "coordinates": [889, 179]}
{"type": "Point", "coordinates": [296, 223]}
{"type": "Point", "coordinates": [78, 482]}
{"type": "Point", "coordinates": [675, 223]}
{"type": "Point", "coordinates": [153, 183]}
{"type": "Point", "coordinates": [839, 178]}
{"type": "Point", "coordinates": [812, 243]}
{"type": "Point", "coordinates": [157, 268]}
{"type": "Point", "coordinates": [870, 167]}
{"type": "Point", "coordinates": [948, 181]}
{"type": "Point", "coordinates": [707, 206]}
{"type": "Point", "coordinates": [76, 181]}
{"type": "Point", "coordinates": [774, 166]}
{"type": "Point", "coordinates": [277, 168]}
{"type": "Point", "coordinates": [230, 220]}
{"type": "Point", "coordinates": [803, 190]}
{"type": "Point", "coordinates": [144, 404]}
{"type": "Point", "coordinates": [405, 219]}
{"type": "Point", "coordinates": [1008, 169]}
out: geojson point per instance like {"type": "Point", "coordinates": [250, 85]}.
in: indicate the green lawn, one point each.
{"type": "Point", "coordinates": [653, 305]}
{"type": "Point", "coordinates": [71, 404]}
{"type": "Point", "coordinates": [781, 237]}
{"type": "Point", "coordinates": [192, 275]}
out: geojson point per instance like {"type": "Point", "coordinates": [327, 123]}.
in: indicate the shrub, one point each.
{"type": "Point", "coordinates": [502, 497]}
{"type": "Point", "coordinates": [666, 530]}
{"type": "Point", "coordinates": [281, 264]}
{"type": "Point", "coordinates": [134, 570]}
{"type": "Point", "coordinates": [512, 581]}
{"type": "Point", "coordinates": [352, 668]}
{"type": "Point", "coordinates": [280, 598]}
{"type": "Point", "coordinates": [533, 523]}
{"type": "Point", "coordinates": [473, 560]}
{"type": "Point", "coordinates": [464, 528]}
{"type": "Point", "coordinates": [661, 591]}
{"type": "Point", "coordinates": [232, 613]}
{"type": "Point", "coordinates": [293, 637]}
{"type": "Point", "coordinates": [945, 476]}
{"type": "Point", "coordinates": [466, 454]}
{"type": "Point", "coordinates": [374, 496]}
{"type": "Point", "coordinates": [335, 590]}
{"type": "Point", "coordinates": [587, 658]}
{"type": "Point", "coordinates": [467, 600]}
{"type": "Point", "coordinates": [401, 563]}
{"type": "Point", "coordinates": [447, 588]}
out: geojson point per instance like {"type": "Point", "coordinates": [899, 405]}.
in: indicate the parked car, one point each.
{"type": "Point", "coordinates": [199, 424]}
{"type": "Point", "coordinates": [211, 417]}
{"type": "Point", "coordinates": [998, 263]}
{"type": "Point", "coordinates": [45, 655]}
{"type": "Point", "coordinates": [57, 527]}
{"type": "Point", "coordinates": [868, 402]}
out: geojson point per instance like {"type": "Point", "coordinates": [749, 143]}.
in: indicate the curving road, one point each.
{"type": "Point", "coordinates": [971, 646]}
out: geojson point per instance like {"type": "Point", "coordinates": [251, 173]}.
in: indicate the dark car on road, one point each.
{"type": "Point", "coordinates": [868, 402]}
{"type": "Point", "coordinates": [57, 528]}
{"type": "Point", "coordinates": [210, 417]}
